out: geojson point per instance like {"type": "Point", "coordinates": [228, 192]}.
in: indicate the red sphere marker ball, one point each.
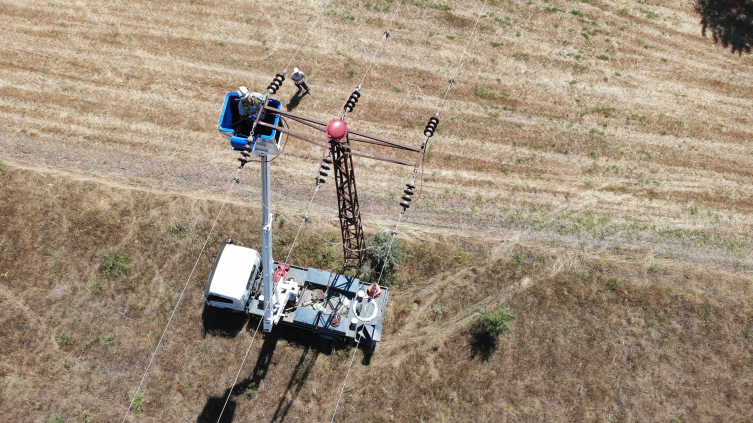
{"type": "Point", "coordinates": [337, 129]}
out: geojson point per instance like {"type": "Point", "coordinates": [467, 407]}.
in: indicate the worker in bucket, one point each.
{"type": "Point", "coordinates": [297, 78]}
{"type": "Point", "coordinates": [250, 104]}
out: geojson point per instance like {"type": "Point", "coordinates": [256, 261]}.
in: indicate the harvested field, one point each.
{"type": "Point", "coordinates": [591, 171]}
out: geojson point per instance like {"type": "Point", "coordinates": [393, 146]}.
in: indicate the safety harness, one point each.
{"type": "Point", "coordinates": [247, 107]}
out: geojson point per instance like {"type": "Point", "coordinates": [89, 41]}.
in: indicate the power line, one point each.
{"type": "Point", "coordinates": [402, 69]}
{"type": "Point", "coordinates": [305, 218]}
{"type": "Point", "coordinates": [394, 232]}
{"type": "Point", "coordinates": [358, 340]}
{"type": "Point", "coordinates": [462, 56]}
{"type": "Point", "coordinates": [316, 190]}
{"type": "Point", "coordinates": [451, 81]}
{"type": "Point", "coordinates": [305, 223]}
{"type": "Point", "coordinates": [306, 36]}
{"type": "Point", "coordinates": [235, 179]}
{"type": "Point", "coordinates": [386, 36]}
{"type": "Point", "coordinates": [389, 248]}
{"type": "Point", "coordinates": [180, 298]}
{"type": "Point", "coordinates": [230, 392]}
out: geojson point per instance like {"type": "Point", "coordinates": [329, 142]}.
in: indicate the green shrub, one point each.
{"type": "Point", "coordinates": [115, 264]}
{"type": "Point", "coordinates": [107, 341]}
{"type": "Point", "coordinates": [95, 287]}
{"type": "Point", "coordinates": [383, 255]}
{"type": "Point", "coordinates": [62, 338]}
{"type": "Point", "coordinates": [250, 390]}
{"type": "Point", "coordinates": [57, 418]}
{"type": "Point", "coordinates": [614, 284]}
{"type": "Point", "coordinates": [84, 416]}
{"type": "Point", "coordinates": [493, 322]}
{"type": "Point", "coordinates": [138, 402]}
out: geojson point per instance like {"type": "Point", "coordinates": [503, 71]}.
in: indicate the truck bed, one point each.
{"type": "Point", "coordinates": [328, 305]}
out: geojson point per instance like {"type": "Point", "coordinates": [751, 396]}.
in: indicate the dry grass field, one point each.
{"type": "Point", "coordinates": [591, 171]}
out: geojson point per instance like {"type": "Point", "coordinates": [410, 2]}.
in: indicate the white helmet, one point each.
{"type": "Point", "coordinates": [295, 70]}
{"type": "Point", "coordinates": [243, 92]}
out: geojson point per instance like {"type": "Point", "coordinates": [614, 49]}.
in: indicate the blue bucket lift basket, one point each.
{"type": "Point", "coordinates": [233, 128]}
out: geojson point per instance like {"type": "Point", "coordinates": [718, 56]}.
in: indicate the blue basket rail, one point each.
{"type": "Point", "coordinates": [237, 131]}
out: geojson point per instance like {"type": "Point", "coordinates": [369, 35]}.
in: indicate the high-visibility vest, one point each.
{"type": "Point", "coordinates": [255, 102]}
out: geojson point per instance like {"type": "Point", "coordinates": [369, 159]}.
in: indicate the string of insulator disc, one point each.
{"type": "Point", "coordinates": [431, 126]}
{"type": "Point", "coordinates": [275, 85]}
{"type": "Point", "coordinates": [352, 100]}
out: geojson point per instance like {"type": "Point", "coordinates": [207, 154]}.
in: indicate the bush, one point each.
{"type": "Point", "coordinates": [107, 341]}
{"type": "Point", "coordinates": [95, 287]}
{"type": "Point", "coordinates": [57, 418]}
{"type": "Point", "coordinates": [138, 402]}
{"type": "Point", "coordinates": [115, 264]}
{"type": "Point", "coordinates": [729, 22]}
{"type": "Point", "coordinates": [494, 322]}
{"type": "Point", "coordinates": [491, 325]}
{"type": "Point", "coordinates": [614, 284]}
{"type": "Point", "coordinates": [383, 255]}
{"type": "Point", "coordinates": [84, 416]}
{"type": "Point", "coordinates": [62, 338]}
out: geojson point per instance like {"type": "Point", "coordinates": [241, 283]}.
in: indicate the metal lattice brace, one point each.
{"type": "Point", "coordinates": [347, 199]}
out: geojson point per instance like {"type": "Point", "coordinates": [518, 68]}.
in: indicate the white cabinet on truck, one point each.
{"type": "Point", "coordinates": [232, 278]}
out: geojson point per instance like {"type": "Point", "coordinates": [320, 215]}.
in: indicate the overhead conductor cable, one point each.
{"type": "Point", "coordinates": [159, 343]}
{"type": "Point", "coordinates": [271, 89]}
{"type": "Point", "coordinates": [428, 132]}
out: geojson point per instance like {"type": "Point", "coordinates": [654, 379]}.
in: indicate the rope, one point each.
{"type": "Point", "coordinates": [363, 45]}
{"type": "Point", "coordinates": [230, 392]}
{"type": "Point", "coordinates": [405, 80]}
{"type": "Point", "coordinates": [138, 388]}
{"type": "Point", "coordinates": [285, 123]}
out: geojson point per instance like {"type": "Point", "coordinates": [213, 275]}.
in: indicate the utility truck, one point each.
{"type": "Point", "coordinates": [330, 305]}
